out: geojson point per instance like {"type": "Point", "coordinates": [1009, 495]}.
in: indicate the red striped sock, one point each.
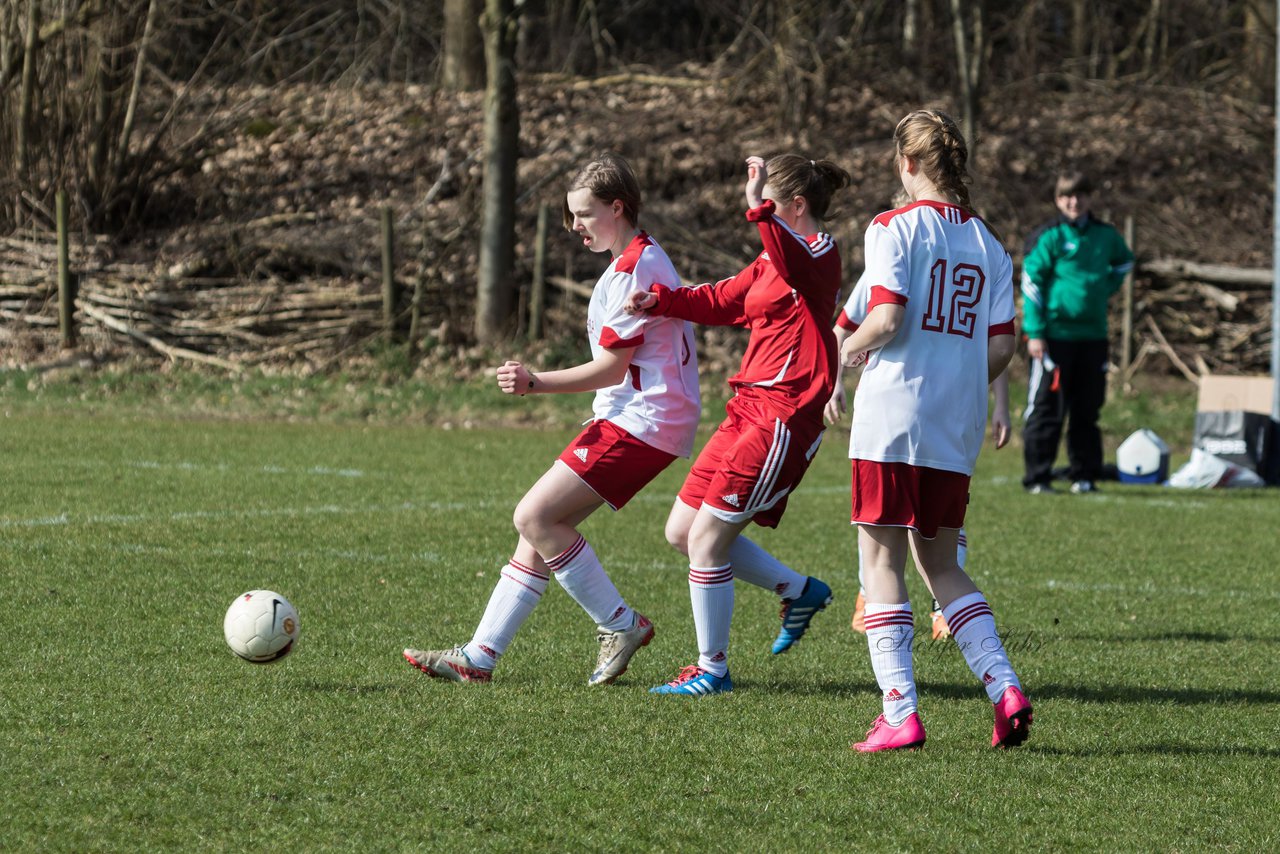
{"type": "Point", "coordinates": [974, 628]}
{"type": "Point", "coordinates": [711, 592]}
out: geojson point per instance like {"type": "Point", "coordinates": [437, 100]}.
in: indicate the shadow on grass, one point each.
{"type": "Point", "coordinates": [1114, 694]}
{"type": "Point", "coordinates": [1193, 637]}
{"type": "Point", "coordinates": [856, 686]}
{"type": "Point", "coordinates": [1158, 749]}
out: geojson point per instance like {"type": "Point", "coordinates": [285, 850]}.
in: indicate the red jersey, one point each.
{"type": "Point", "coordinates": [786, 297]}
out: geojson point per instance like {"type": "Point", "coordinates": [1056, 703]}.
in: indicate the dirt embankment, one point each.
{"type": "Point", "coordinates": [267, 252]}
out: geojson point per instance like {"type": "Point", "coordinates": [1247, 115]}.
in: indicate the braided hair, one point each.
{"type": "Point", "coordinates": [932, 139]}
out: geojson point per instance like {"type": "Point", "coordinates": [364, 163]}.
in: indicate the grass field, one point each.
{"type": "Point", "coordinates": [1144, 623]}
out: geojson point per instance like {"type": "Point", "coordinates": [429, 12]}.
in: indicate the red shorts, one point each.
{"type": "Point", "coordinates": [750, 465]}
{"type": "Point", "coordinates": [612, 462]}
{"type": "Point", "coordinates": [907, 496]}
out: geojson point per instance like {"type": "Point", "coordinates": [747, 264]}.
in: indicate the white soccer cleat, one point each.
{"type": "Point", "coordinates": [452, 664]}
{"type": "Point", "coordinates": [616, 649]}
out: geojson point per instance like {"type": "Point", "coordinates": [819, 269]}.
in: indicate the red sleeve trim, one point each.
{"type": "Point", "coordinates": [610, 340]}
{"type": "Point", "coordinates": [765, 211]}
{"type": "Point", "coordinates": [843, 321]}
{"type": "Point", "coordinates": [1005, 328]}
{"type": "Point", "coordinates": [881, 295]}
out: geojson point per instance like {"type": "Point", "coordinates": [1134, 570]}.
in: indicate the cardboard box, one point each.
{"type": "Point", "coordinates": [1233, 422]}
{"type": "Point", "coordinates": [1235, 394]}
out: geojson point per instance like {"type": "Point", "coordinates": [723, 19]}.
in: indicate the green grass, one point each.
{"type": "Point", "coordinates": [1143, 623]}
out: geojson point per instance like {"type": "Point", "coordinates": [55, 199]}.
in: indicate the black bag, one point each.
{"type": "Point", "coordinates": [1248, 439]}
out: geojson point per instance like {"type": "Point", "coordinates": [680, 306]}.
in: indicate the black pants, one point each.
{"type": "Point", "coordinates": [1070, 385]}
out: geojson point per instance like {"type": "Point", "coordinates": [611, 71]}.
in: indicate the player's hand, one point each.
{"type": "Point", "coordinates": [514, 378]}
{"type": "Point", "coordinates": [757, 175]}
{"type": "Point", "coordinates": [639, 302]}
{"type": "Point", "coordinates": [1035, 348]}
{"type": "Point", "coordinates": [1001, 429]}
{"type": "Point", "coordinates": [835, 406]}
{"type": "Point", "coordinates": [851, 358]}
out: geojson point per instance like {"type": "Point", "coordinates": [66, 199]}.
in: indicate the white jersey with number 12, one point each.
{"type": "Point", "coordinates": [922, 399]}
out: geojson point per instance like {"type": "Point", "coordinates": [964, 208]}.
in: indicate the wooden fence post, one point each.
{"type": "Point", "coordinates": [389, 294]}
{"type": "Point", "coordinates": [66, 283]}
{"type": "Point", "coordinates": [1126, 328]}
{"type": "Point", "coordinates": [537, 295]}
{"type": "Point", "coordinates": [415, 317]}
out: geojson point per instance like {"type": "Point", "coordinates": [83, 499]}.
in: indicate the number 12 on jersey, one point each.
{"type": "Point", "coordinates": [953, 297]}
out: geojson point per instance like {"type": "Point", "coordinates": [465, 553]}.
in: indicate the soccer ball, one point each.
{"type": "Point", "coordinates": [261, 626]}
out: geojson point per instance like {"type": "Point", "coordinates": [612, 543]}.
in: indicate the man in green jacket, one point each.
{"type": "Point", "coordinates": [1072, 267]}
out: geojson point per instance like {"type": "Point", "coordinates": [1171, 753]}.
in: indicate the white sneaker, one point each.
{"type": "Point", "coordinates": [1083, 487]}
{"type": "Point", "coordinates": [616, 649]}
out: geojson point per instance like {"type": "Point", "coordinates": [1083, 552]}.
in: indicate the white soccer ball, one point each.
{"type": "Point", "coordinates": [261, 626]}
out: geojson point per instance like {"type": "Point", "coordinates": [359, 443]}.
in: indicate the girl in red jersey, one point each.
{"type": "Point", "coordinates": [645, 375]}
{"type": "Point", "coordinates": [939, 328]}
{"type": "Point", "coordinates": [758, 455]}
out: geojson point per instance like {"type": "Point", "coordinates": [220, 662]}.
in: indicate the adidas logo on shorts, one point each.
{"type": "Point", "coordinates": [731, 499]}
{"type": "Point", "coordinates": [581, 454]}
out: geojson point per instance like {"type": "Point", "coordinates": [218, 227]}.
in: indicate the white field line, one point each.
{"type": "Point", "coordinates": [1147, 588]}
{"type": "Point", "coordinates": [352, 555]}
{"type": "Point", "coordinates": [264, 513]}
{"type": "Point", "coordinates": [226, 468]}
{"type": "Point", "coordinates": [223, 467]}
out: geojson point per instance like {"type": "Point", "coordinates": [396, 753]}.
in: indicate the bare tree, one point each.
{"type": "Point", "coordinates": [501, 141]}
{"type": "Point", "coordinates": [970, 39]}
{"type": "Point", "coordinates": [911, 28]}
{"type": "Point", "coordinates": [463, 49]}
{"type": "Point", "coordinates": [1259, 46]}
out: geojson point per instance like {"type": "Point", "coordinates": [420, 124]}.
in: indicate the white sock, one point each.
{"type": "Point", "coordinates": [518, 590]}
{"type": "Point", "coordinates": [754, 565]}
{"type": "Point", "coordinates": [579, 572]}
{"type": "Point", "coordinates": [974, 628]}
{"type": "Point", "coordinates": [890, 635]}
{"type": "Point", "coordinates": [711, 591]}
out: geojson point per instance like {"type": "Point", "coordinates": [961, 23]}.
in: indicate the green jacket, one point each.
{"type": "Point", "coordinates": [1067, 277]}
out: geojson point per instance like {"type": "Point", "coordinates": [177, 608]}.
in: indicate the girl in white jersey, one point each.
{"type": "Point", "coordinates": [645, 375]}
{"type": "Point", "coordinates": [847, 322]}
{"type": "Point", "coordinates": [938, 330]}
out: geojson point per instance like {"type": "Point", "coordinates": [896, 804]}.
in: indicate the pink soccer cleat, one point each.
{"type": "Point", "coordinates": [1013, 719]}
{"type": "Point", "coordinates": [907, 735]}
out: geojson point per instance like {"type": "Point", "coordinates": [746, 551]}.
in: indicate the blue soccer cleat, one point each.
{"type": "Point", "coordinates": [796, 613]}
{"type": "Point", "coordinates": [693, 681]}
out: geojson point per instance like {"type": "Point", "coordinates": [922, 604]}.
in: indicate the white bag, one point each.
{"type": "Point", "coordinates": [1206, 471]}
